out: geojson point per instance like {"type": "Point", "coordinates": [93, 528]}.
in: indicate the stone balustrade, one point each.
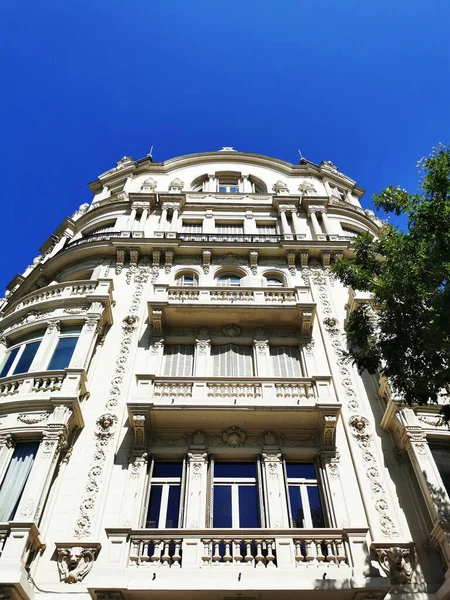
{"type": "Point", "coordinates": [61, 291]}
{"type": "Point", "coordinates": [235, 390]}
{"type": "Point", "coordinates": [223, 296]}
{"type": "Point", "coordinates": [261, 549]}
{"type": "Point", "coordinates": [43, 383]}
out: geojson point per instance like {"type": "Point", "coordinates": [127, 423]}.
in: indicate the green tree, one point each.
{"type": "Point", "coordinates": [404, 332]}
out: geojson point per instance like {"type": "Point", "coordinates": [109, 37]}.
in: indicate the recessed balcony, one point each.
{"type": "Point", "coordinates": [195, 306]}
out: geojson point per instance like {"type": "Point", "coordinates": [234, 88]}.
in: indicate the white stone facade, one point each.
{"type": "Point", "coordinates": [173, 377]}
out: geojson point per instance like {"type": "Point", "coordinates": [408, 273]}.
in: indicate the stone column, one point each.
{"type": "Point", "coordinates": [47, 346]}
{"type": "Point", "coordinates": [285, 229]}
{"type": "Point", "coordinates": [246, 185]}
{"type": "Point", "coordinates": [277, 508]}
{"type": "Point", "coordinates": [3, 349]}
{"type": "Point", "coordinates": [326, 223]}
{"type": "Point", "coordinates": [202, 357]}
{"type": "Point", "coordinates": [143, 219]}
{"type": "Point", "coordinates": [317, 230]}
{"type": "Point", "coordinates": [262, 358]}
{"type": "Point", "coordinates": [298, 226]}
{"type": "Point", "coordinates": [211, 185]}
{"type": "Point", "coordinates": [196, 490]}
{"type": "Point", "coordinates": [163, 219]}
{"type": "Point", "coordinates": [132, 219]}
{"type": "Point", "coordinates": [38, 483]}
{"type": "Point", "coordinates": [174, 224]}
{"type": "Point", "coordinates": [88, 337]}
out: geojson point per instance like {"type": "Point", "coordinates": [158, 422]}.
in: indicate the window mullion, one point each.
{"type": "Point", "coordinates": [307, 520]}
{"type": "Point", "coordinates": [163, 507]}
{"type": "Point", "coordinates": [235, 506]}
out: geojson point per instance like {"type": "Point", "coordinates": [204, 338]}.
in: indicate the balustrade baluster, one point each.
{"type": "Point", "coordinates": [227, 554]}
{"type": "Point", "coordinates": [298, 551]}
{"type": "Point", "coordinates": [143, 554]}
{"type": "Point", "coordinates": [156, 551]}
{"type": "Point", "coordinates": [134, 554]}
{"type": "Point", "coordinates": [341, 557]}
{"type": "Point", "coordinates": [259, 558]}
{"type": "Point", "coordinates": [248, 547]}
{"type": "Point", "coordinates": [206, 551]}
{"type": "Point", "coordinates": [176, 558]}
{"type": "Point", "coordinates": [165, 558]}
{"type": "Point", "coordinates": [331, 556]}
{"type": "Point", "coordinates": [270, 558]}
{"type": "Point", "coordinates": [319, 551]}
{"type": "Point", "coordinates": [237, 551]}
{"type": "Point", "coordinates": [216, 556]}
{"type": "Point", "coordinates": [310, 554]}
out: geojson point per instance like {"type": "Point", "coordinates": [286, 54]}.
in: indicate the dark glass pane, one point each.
{"type": "Point", "coordinates": [234, 469]}
{"type": "Point", "coordinates": [300, 471]}
{"type": "Point", "coordinates": [315, 506]}
{"type": "Point", "coordinates": [296, 506]}
{"type": "Point", "coordinates": [167, 469]}
{"type": "Point", "coordinates": [234, 190]}
{"type": "Point", "coordinates": [26, 358]}
{"type": "Point", "coordinates": [23, 451]}
{"type": "Point", "coordinates": [154, 506]}
{"type": "Point", "coordinates": [222, 189]}
{"type": "Point", "coordinates": [222, 506]}
{"type": "Point", "coordinates": [9, 361]}
{"type": "Point", "coordinates": [441, 456]}
{"type": "Point", "coordinates": [173, 506]}
{"type": "Point", "coordinates": [63, 353]}
{"type": "Point", "coordinates": [248, 506]}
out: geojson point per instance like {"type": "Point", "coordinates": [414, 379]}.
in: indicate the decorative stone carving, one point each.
{"type": "Point", "coordinates": [306, 188]}
{"type": "Point", "coordinates": [74, 563]}
{"type": "Point", "coordinates": [303, 254]}
{"type": "Point", "coordinates": [329, 431]}
{"type": "Point", "coordinates": [134, 254]}
{"type": "Point", "coordinates": [176, 185]}
{"type": "Point", "coordinates": [398, 562]}
{"type": "Point", "coordinates": [202, 346]}
{"type": "Point", "coordinates": [234, 437]}
{"type": "Point", "coordinates": [156, 322]}
{"type": "Point", "coordinates": [291, 262]}
{"type": "Point", "coordinates": [280, 188]}
{"type": "Point", "coordinates": [359, 426]}
{"type": "Point", "coordinates": [138, 423]}
{"type": "Point", "coordinates": [307, 323]}
{"type": "Point", "coordinates": [168, 254]}
{"type": "Point", "coordinates": [156, 257]}
{"type": "Point", "coordinates": [231, 330]}
{"type": "Point", "coordinates": [149, 186]}
{"type": "Point", "coordinates": [120, 259]}
{"type": "Point", "coordinates": [32, 418]}
{"type": "Point", "coordinates": [253, 257]}
{"type": "Point", "coordinates": [105, 425]}
{"type": "Point", "coordinates": [326, 259]}
{"type": "Point", "coordinates": [228, 259]}
{"type": "Point", "coordinates": [196, 463]}
{"type": "Point", "coordinates": [206, 256]}
{"type": "Point", "coordinates": [261, 345]}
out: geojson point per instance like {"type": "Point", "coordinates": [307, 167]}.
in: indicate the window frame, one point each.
{"type": "Point", "coordinates": [225, 280]}
{"type": "Point", "coordinates": [165, 483]}
{"type": "Point", "coordinates": [21, 346]}
{"type": "Point", "coordinates": [303, 484]}
{"type": "Point", "coordinates": [180, 279]}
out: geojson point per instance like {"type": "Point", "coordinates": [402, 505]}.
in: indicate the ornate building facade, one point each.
{"type": "Point", "coordinates": [177, 419]}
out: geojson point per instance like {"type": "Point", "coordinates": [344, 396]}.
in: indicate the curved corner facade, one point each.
{"type": "Point", "coordinates": [177, 417]}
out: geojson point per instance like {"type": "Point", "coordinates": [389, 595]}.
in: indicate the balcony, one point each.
{"type": "Point", "coordinates": [331, 563]}
{"type": "Point", "coordinates": [19, 543]}
{"type": "Point", "coordinates": [195, 306]}
{"type": "Point", "coordinates": [258, 238]}
{"type": "Point", "coordinates": [68, 294]}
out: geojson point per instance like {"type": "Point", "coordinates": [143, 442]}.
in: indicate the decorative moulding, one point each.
{"type": "Point", "coordinates": [75, 559]}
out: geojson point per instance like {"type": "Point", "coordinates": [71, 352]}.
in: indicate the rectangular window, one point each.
{"type": "Point", "coordinates": [266, 228]}
{"type": "Point", "coordinates": [15, 478]}
{"type": "Point", "coordinates": [230, 228]}
{"type": "Point", "coordinates": [231, 360]}
{"type": "Point", "coordinates": [165, 495]}
{"type": "Point", "coordinates": [304, 497]}
{"type": "Point", "coordinates": [65, 347]}
{"type": "Point", "coordinates": [192, 227]}
{"type": "Point", "coordinates": [178, 360]}
{"type": "Point", "coordinates": [235, 497]}
{"type": "Point", "coordinates": [286, 361]}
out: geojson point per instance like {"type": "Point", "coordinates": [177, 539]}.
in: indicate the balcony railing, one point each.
{"type": "Point", "coordinates": [261, 549]}
{"type": "Point", "coordinates": [43, 383]}
{"type": "Point", "coordinates": [235, 390]}
{"type": "Point", "coordinates": [232, 237]}
{"type": "Point", "coordinates": [61, 291]}
{"type": "Point", "coordinates": [240, 295]}
{"type": "Point", "coordinates": [94, 237]}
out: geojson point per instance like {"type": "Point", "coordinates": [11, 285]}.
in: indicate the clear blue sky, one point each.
{"type": "Point", "coordinates": [364, 84]}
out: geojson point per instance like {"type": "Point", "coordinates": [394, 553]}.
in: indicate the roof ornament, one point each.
{"type": "Point", "coordinates": [227, 149]}
{"type": "Point", "coordinates": [280, 188]}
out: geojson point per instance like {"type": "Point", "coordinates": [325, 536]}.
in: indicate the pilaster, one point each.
{"type": "Point", "coordinates": [273, 477]}
{"type": "Point", "coordinates": [196, 490]}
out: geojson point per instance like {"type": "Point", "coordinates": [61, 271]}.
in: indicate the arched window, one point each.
{"type": "Point", "coordinates": [187, 279]}
{"type": "Point", "coordinates": [229, 280]}
{"type": "Point", "coordinates": [274, 280]}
